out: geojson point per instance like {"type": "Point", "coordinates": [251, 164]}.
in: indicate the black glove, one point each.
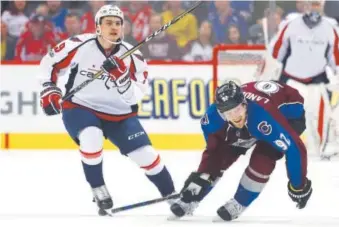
{"type": "Point", "coordinates": [300, 196]}
{"type": "Point", "coordinates": [196, 187]}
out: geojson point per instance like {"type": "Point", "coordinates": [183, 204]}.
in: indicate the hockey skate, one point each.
{"type": "Point", "coordinates": [230, 211]}
{"type": "Point", "coordinates": [180, 209]}
{"type": "Point", "coordinates": [103, 200]}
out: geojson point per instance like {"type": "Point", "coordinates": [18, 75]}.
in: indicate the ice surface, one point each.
{"type": "Point", "coordinates": [48, 188]}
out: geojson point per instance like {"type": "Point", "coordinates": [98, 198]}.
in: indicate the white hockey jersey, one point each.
{"type": "Point", "coordinates": [78, 59]}
{"type": "Point", "coordinates": [306, 52]}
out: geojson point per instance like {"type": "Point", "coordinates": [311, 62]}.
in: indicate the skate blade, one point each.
{"type": "Point", "coordinates": [104, 213]}
{"type": "Point", "coordinates": [217, 219]}
{"type": "Point", "coordinates": [173, 218]}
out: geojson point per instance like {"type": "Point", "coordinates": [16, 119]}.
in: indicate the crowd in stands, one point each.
{"type": "Point", "coordinates": [30, 28]}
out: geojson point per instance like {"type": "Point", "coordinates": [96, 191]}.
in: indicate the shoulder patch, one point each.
{"type": "Point", "coordinates": [265, 128]}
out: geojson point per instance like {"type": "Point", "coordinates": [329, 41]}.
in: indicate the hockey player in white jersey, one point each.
{"type": "Point", "coordinates": [106, 108]}
{"type": "Point", "coordinates": [306, 45]}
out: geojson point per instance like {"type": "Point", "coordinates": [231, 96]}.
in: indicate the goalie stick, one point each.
{"type": "Point", "coordinates": [131, 51]}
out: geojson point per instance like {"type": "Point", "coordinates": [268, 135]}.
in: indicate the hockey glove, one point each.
{"type": "Point", "coordinates": [117, 70]}
{"type": "Point", "coordinates": [300, 196]}
{"type": "Point", "coordinates": [50, 98]}
{"type": "Point", "coordinates": [196, 187]}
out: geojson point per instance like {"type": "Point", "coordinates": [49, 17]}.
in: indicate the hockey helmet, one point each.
{"type": "Point", "coordinates": [107, 11]}
{"type": "Point", "coordinates": [228, 96]}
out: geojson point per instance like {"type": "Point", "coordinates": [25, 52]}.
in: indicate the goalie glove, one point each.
{"type": "Point", "coordinates": [50, 98]}
{"type": "Point", "coordinates": [300, 196]}
{"type": "Point", "coordinates": [117, 70]}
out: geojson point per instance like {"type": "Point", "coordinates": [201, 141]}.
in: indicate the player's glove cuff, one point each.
{"type": "Point", "coordinates": [300, 196]}
{"type": "Point", "coordinates": [196, 187]}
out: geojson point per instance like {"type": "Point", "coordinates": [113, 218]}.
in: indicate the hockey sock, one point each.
{"type": "Point", "coordinates": [163, 181]}
{"type": "Point", "coordinates": [250, 186]}
{"type": "Point", "coordinates": [93, 174]}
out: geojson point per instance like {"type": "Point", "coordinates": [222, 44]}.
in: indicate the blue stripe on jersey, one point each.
{"type": "Point", "coordinates": [279, 137]}
{"type": "Point", "coordinates": [292, 110]}
{"type": "Point", "coordinates": [211, 122]}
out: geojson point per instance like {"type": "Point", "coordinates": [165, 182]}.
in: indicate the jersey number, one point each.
{"type": "Point", "coordinates": [59, 47]}
{"type": "Point", "coordinates": [283, 142]}
{"type": "Point", "coordinates": [267, 87]}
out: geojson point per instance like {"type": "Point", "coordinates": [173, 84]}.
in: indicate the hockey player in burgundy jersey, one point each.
{"type": "Point", "coordinates": [266, 114]}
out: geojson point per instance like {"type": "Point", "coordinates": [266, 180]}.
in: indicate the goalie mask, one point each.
{"type": "Point", "coordinates": [108, 11]}
{"type": "Point", "coordinates": [314, 9]}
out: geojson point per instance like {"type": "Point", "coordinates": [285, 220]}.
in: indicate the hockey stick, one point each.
{"type": "Point", "coordinates": [131, 51]}
{"type": "Point", "coordinates": [145, 203]}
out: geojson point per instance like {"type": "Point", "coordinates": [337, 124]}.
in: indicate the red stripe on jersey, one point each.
{"type": "Point", "coordinates": [132, 70]}
{"type": "Point", "coordinates": [61, 65]}
{"type": "Point", "coordinates": [336, 49]}
{"type": "Point", "coordinates": [145, 76]}
{"type": "Point", "coordinates": [104, 116]}
{"type": "Point", "coordinates": [90, 155]}
{"type": "Point", "coordinates": [321, 119]}
{"type": "Point", "coordinates": [154, 164]}
{"type": "Point", "coordinates": [279, 42]}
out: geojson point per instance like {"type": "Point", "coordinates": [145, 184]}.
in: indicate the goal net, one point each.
{"type": "Point", "coordinates": [243, 64]}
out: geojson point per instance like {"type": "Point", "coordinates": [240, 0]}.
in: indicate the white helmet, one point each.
{"type": "Point", "coordinates": [106, 11]}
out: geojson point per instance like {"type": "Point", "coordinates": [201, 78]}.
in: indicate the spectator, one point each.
{"type": "Point", "coordinates": [57, 15]}
{"type": "Point", "coordinates": [15, 19]}
{"type": "Point", "coordinates": [163, 46]}
{"type": "Point", "coordinates": [42, 10]}
{"type": "Point", "coordinates": [201, 49]}
{"type": "Point", "coordinates": [7, 44]}
{"type": "Point", "coordinates": [87, 20]}
{"type": "Point", "coordinates": [36, 42]}
{"type": "Point", "coordinates": [274, 19]}
{"type": "Point", "coordinates": [72, 25]}
{"type": "Point", "coordinates": [245, 8]}
{"type": "Point", "coordinates": [185, 30]}
{"type": "Point", "coordinates": [256, 33]}
{"type": "Point", "coordinates": [140, 14]}
{"type": "Point", "coordinates": [128, 32]}
{"type": "Point", "coordinates": [233, 35]}
{"type": "Point", "coordinates": [221, 16]}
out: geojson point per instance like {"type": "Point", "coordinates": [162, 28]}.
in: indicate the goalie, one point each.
{"type": "Point", "coordinates": [307, 45]}
{"type": "Point", "coordinates": [266, 114]}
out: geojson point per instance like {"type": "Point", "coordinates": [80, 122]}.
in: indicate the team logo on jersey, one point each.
{"type": "Point", "coordinates": [204, 120]}
{"type": "Point", "coordinates": [265, 128]}
{"type": "Point", "coordinates": [245, 143]}
{"type": "Point", "coordinates": [267, 87]}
